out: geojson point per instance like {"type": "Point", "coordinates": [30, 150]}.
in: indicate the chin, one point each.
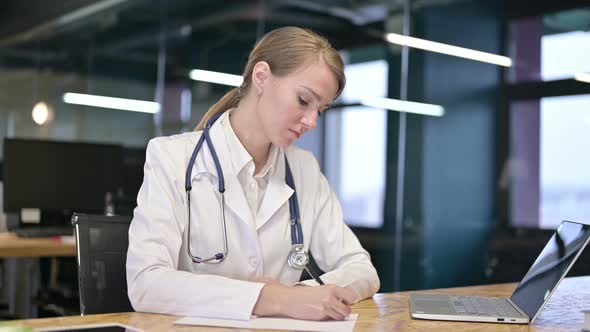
{"type": "Point", "coordinates": [282, 142]}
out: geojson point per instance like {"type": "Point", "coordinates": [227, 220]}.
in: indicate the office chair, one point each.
{"type": "Point", "coordinates": [102, 243]}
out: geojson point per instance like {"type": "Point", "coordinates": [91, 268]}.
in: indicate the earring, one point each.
{"type": "Point", "coordinates": [259, 93]}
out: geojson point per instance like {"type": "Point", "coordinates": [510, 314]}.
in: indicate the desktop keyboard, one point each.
{"type": "Point", "coordinates": [44, 231]}
{"type": "Point", "coordinates": [484, 306]}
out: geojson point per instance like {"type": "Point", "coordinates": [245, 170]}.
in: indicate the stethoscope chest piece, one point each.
{"type": "Point", "coordinates": [298, 257]}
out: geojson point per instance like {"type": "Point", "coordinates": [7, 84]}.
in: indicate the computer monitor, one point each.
{"type": "Point", "coordinates": [51, 175]}
{"type": "Point", "coordinates": [132, 178]}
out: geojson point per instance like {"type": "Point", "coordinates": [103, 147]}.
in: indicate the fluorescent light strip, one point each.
{"type": "Point", "coordinates": [448, 49]}
{"type": "Point", "coordinates": [582, 77]}
{"type": "Point", "coordinates": [111, 102]}
{"type": "Point", "coordinates": [216, 77]}
{"type": "Point", "coordinates": [403, 106]}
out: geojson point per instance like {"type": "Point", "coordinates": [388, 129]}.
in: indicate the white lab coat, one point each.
{"type": "Point", "coordinates": [162, 278]}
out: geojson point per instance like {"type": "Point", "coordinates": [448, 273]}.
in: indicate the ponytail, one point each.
{"type": "Point", "coordinates": [229, 100]}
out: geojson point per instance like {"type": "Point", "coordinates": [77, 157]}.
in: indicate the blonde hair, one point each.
{"type": "Point", "coordinates": [285, 50]}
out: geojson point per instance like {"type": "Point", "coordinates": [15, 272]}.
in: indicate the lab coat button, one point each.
{"type": "Point", "coordinates": [253, 261]}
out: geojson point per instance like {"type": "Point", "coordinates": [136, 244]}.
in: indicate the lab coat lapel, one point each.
{"type": "Point", "coordinates": [235, 199]}
{"type": "Point", "coordinates": [277, 193]}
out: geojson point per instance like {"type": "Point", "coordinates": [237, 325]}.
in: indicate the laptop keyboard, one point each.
{"type": "Point", "coordinates": [484, 306]}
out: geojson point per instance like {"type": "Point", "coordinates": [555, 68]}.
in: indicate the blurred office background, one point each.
{"type": "Point", "coordinates": [466, 195]}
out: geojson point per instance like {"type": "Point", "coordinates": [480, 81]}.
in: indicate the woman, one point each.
{"type": "Point", "coordinates": [241, 189]}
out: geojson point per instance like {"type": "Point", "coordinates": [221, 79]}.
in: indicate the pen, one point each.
{"type": "Point", "coordinates": [319, 281]}
{"type": "Point", "coordinates": [315, 276]}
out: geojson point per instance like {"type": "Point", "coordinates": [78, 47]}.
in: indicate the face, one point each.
{"type": "Point", "coordinates": [290, 105]}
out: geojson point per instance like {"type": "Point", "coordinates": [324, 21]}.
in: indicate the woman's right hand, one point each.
{"type": "Point", "coordinates": [303, 302]}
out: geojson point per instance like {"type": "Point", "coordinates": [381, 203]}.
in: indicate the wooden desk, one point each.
{"type": "Point", "coordinates": [14, 246]}
{"type": "Point", "coordinates": [388, 312]}
{"type": "Point", "coordinates": [21, 268]}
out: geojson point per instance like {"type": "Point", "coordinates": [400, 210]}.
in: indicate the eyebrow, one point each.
{"type": "Point", "coordinates": [316, 95]}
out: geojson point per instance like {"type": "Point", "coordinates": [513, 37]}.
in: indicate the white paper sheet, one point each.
{"type": "Point", "coordinates": [346, 325]}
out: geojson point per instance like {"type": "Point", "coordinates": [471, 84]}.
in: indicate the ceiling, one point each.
{"type": "Point", "coordinates": [127, 37]}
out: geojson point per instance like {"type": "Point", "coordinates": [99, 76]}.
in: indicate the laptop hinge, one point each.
{"type": "Point", "coordinates": [518, 309]}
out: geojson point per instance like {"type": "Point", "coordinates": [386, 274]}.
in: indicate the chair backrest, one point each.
{"type": "Point", "coordinates": [102, 243]}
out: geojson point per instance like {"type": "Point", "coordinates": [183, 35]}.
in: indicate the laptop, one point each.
{"type": "Point", "coordinates": [531, 294]}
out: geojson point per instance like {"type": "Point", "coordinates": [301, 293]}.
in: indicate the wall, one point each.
{"type": "Point", "coordinates": [72, 122]}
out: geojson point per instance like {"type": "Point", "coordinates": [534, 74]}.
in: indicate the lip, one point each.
{"type": "Point", "coordinates": [295, 133]}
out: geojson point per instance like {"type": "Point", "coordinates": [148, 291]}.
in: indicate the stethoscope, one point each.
{"type": "Point", "coordinates": [298, 257]}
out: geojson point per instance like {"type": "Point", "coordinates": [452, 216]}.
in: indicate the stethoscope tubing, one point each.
{"type": "Point", "coordinates": [298, 258]}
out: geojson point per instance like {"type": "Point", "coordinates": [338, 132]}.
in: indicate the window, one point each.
{"type": "Point", "coordinates": [550, 47]}
{"type": "Point", "coordinates": [564, 54]}
{"type": "Point", "coordinates": [547, 163]}
{"type": "Point", "coordinates": [564, 160]}
{"type": "Point", "coordinates": [355, 146]}
{"type": "Point", "coordinates": [350, 144]}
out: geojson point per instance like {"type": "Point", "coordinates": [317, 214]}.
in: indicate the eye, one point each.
{"type": "Point", "coordinates": [302, 102]}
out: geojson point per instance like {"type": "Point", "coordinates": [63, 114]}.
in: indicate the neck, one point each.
{"type": "Point", "coordinates": [246, 124]}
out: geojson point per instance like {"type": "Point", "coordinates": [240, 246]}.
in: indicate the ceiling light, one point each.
{"type": "Point", "coordinates": [216, 77]}
{"type": "Point", "coordinates": [448, 49]}
{"type": "Point", "coordinates": [582, 77]}
{"type": "Point", "coordinates": [403, 106]}
{"type": "Point", "coordinates": [40, 113]}
{"type": "Point", "coordinates": [111, 102]}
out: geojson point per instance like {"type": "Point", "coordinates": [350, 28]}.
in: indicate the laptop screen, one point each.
{"type": "Point", "coordinates": [551, 266]}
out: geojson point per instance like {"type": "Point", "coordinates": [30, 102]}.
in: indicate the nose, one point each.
{"type": "Point", "coordinates": [310, 120]}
